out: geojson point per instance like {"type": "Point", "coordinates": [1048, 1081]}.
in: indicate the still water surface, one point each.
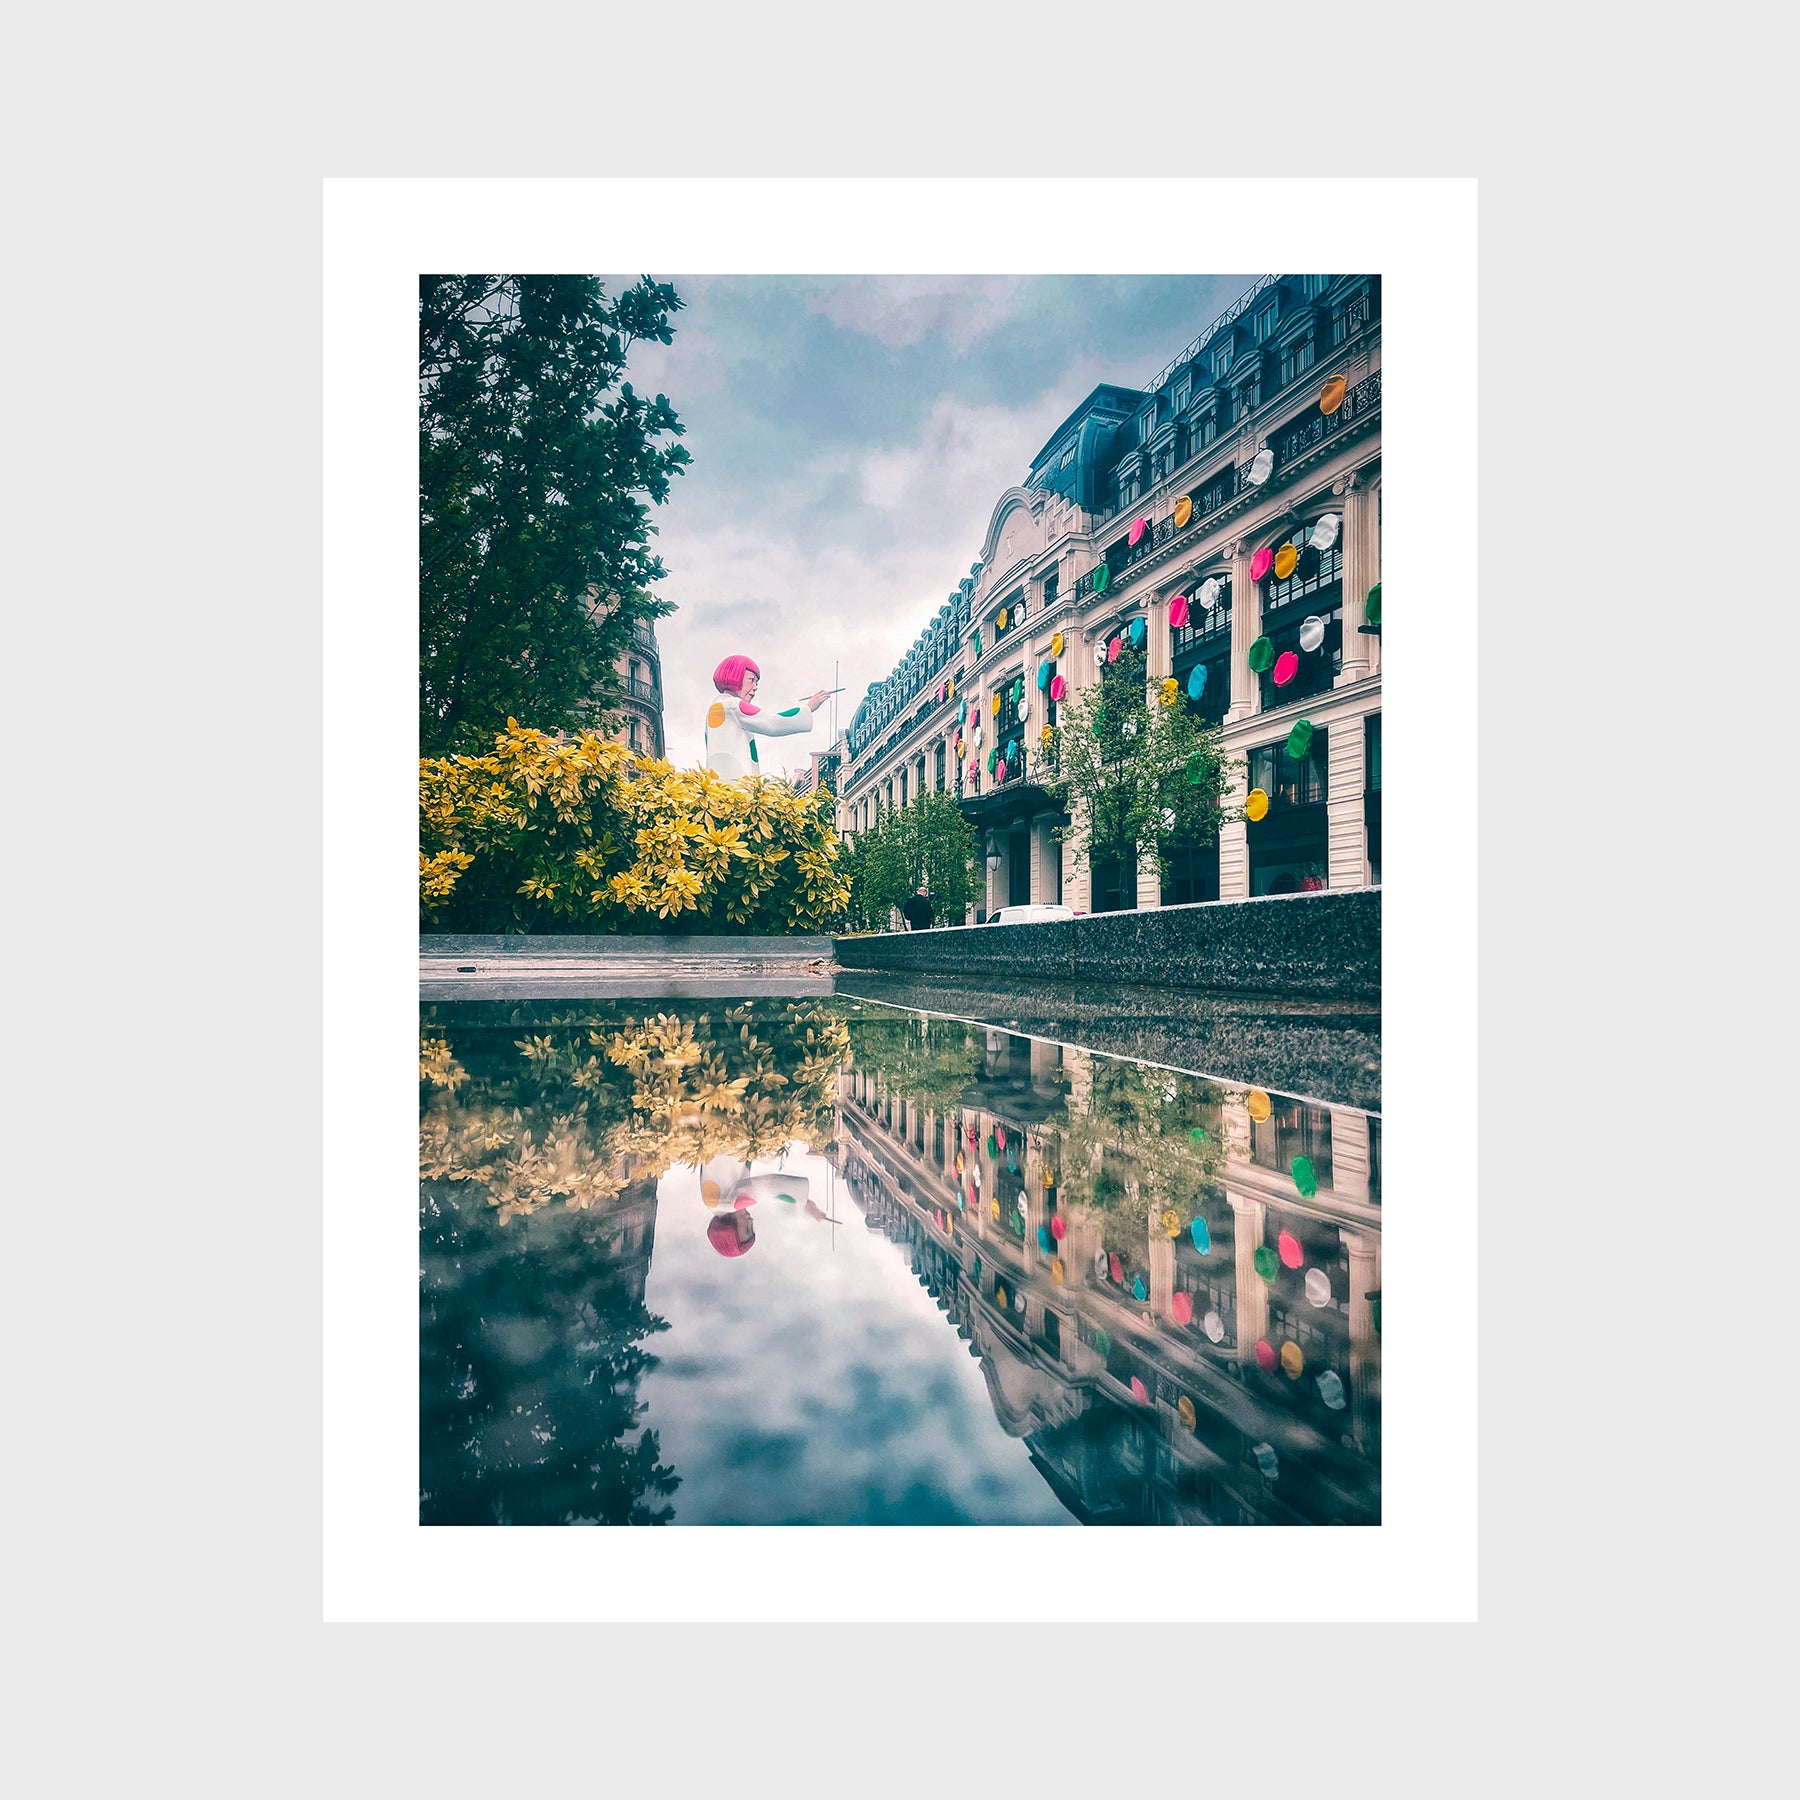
{"type": "Point", "coordinates": [822, 1261]}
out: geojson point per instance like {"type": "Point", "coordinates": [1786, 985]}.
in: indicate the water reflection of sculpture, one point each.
{"type": "Point", "coordinates": [531, 1339]}
{"type": "Point", "coordinates": [1202, 1411]}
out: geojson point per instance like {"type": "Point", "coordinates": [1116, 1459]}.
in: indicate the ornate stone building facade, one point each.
{"type": "Point", "coordinates": [640, 676]}
{"type": "Point", "coordinates": [1176, 502]}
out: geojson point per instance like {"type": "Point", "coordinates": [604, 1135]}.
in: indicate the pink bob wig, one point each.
{"type": "Point", "coordinates": [728, 677]}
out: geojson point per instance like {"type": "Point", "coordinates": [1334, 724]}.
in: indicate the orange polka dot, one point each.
{"type": "Point", "coordinates": [715, 715]}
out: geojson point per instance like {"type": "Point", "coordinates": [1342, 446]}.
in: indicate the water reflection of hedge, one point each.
{"type": "Point", "coordinates": [578, 1103]}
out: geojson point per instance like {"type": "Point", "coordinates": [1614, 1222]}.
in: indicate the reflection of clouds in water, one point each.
{"type": "Point", "coordinates": [811, 1383]}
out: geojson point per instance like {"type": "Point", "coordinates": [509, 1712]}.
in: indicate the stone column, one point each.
{"type": "Point", "coordinates": [1077, 878]}
{"type": "Point", "coordinates": [1031, 1179]}
{"type": "Point", "coordinates": [1252, 1294]}
{"type": "Point", "coordinates": [1362, 569]}
{"type": "Point", "coordinates": [1162, 1269]}
{"type": "Point", "coordinates": [1350, 1154]}
{"type": "Point", "coordinates": [1364, 1252]}
{"type": "Point", "coordinates": [1234, 841]}
{"type": "Point", "coordinates": [1346, 837]}
{"type": "Point", "coordinates": [1156, 623]}
{"type": "Point", "coordinates": [1149, 883]}
{"type": "Point", "coordinates": [1246, 628]}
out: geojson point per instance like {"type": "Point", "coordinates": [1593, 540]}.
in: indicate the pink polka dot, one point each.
{"type": "Point", "coordinates": [1139, 1392]}
{"type": "Point", "coordinates": [1265, 1356]}
{"type": "Point", "coordinates": [1289, 1247]}
{"type": "Point", "coordinates": [1181, 1308]}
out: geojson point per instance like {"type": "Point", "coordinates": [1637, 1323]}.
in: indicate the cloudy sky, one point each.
{"type": "Point", "coordinates": [850, 436]}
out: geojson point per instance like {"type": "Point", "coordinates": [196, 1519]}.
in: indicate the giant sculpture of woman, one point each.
{"type": "Point", "coordinates": [735, 722]}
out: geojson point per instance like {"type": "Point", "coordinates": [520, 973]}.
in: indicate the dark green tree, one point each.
{"type": "Point", "coordinates": [926, 841]}
{"type": "Point", "coordinates": [537, 468]}
{"type": "Point", "coordinates": [1140, 777]}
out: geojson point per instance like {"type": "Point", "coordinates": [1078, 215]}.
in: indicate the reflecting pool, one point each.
{"type": "Point", "coordinates": [824, 1260]}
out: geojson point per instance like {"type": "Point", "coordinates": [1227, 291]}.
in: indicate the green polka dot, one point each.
{"type": "Point", "coordinates": [791, 712]}
{"type": "Point", "coordinates": [1373, 604]}
{"type": "Point", "coordinates": [753, 756]}
{"type": "Point", "coordinates": [1300, 740]}
{"type": "Point", "coordinates": [1197, 1134]}
{"type": "Point", "coordinates": [1102, 575]}
{"type": "Point", "coordinates": [1266, 1262]}
{"type": "Point", "coordinates": [789, 1198]}
{"type": "Point", "coordinates": [1262, 656]}
{"type": "Point", "coordinates": [1304, 1178]}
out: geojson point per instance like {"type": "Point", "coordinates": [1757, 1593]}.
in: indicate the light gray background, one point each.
{"type": "Point", "coordinates": [164, 895]}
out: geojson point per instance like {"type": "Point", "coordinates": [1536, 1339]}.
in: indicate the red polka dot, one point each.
{"type": "Point", "coordinates": [1289, 1247]}
{"type": "Point", "coordinates": [1265, 1356]}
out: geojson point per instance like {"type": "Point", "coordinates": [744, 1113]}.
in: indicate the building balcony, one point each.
{"type": "Point", "coordinates": [644, 690]}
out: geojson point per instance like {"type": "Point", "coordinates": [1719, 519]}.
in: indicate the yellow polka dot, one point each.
{"type": "Point", "coordinates": [715, 715]}
{"type": "Point", "coordinates": [1292, 1361]}
{"type": "Point", "coordinates": [1256, 1104]}
{"type": "Point", "coordinates": [1256, 806]}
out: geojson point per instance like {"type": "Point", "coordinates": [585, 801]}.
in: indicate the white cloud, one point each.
{"type": "Point", "coordinates": [901, 310]}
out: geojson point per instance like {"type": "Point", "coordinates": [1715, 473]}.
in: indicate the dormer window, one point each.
{"type": "Point", "coordinates": [1265, 322]}
{"type": "Point", "coordinates": [1146, 424]}
{"type": "Point", "coordinates": [1297, 357]}
{"type": "Point", "coordinates": [1183, 389]}
{"type": "Point", "coordinates": [1221, 360]}
{"type": "Point", "coordinates": [1067, 457]}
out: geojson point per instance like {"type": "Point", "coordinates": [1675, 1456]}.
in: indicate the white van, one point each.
{"type": "Point", "coordinates": [1029, 915]}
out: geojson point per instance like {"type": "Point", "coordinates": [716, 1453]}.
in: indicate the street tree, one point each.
{"type": "Point", "coordinates": [929, 843]}
{"type": "Point", "coordinates": [1141, 775]}
{"type": "Point", "coordinates": [538, 465]}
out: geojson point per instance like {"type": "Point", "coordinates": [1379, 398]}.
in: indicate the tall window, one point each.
{"type": "Point", "coordinates": [1183, 389]}
{"type": "Point", "coordinates": [902, 787]}
{"type": "Point", "coordinates": [1372, 753]}
{"type": "Point", "coordinates": [1221, 360]}
{"type": "Point", "coordinates": [1265, 322]}
{"type": "Point", "coordinates": [1312, 286]}
{"type": "Point", "coordinates": [1247, 399]}
{"type": "Point", "coordinates": [1291, 782]}
{"type": "Point", "coordinates": [1310, 592]}
{"type": "Point", "coordinates": [1297, 358]}
{"type": "Point", "coordinates": [1294, 1128]}
{"type": "Point", "coordinates": [1049, 704]}
{"type": "Point", "coordinates": [632, 729]}
{"type": "Point", "coordinates": [941, 754]}
{"type": "Point", "coordinates": [1146, 424]}
{"type": "Point", "coordinates": [1050, 590]}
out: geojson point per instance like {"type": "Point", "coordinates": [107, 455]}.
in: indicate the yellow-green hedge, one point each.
{"type": "Point", "coordinates": [582, 836]}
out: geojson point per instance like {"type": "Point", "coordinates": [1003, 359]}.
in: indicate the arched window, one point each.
{"type": "Point", "coordinates": [1315, 590]}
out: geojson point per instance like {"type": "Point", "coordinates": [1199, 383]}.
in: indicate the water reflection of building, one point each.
{"type": "Point", "coordinates": [1145, 1410]}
